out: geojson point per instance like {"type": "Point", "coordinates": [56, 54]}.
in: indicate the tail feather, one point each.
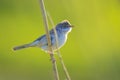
{"type": "Point", "coordinates": [21, 47]}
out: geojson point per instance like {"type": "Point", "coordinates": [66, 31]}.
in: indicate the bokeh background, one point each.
{"type": "Point", "coordinates": [92, 51]}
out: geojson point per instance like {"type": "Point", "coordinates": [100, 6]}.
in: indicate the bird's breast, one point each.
{"type": "Point", "coordinates": [61, 40]}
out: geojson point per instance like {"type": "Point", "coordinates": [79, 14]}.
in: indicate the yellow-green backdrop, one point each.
{"type": "Point", "coordinates": [92, 51]}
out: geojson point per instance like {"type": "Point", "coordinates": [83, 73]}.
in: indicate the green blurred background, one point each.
{"type": "Point", "coordinates": [92, 51]}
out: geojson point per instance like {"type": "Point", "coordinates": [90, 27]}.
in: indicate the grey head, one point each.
{"type": "Point", "coordinates": [64, 26]}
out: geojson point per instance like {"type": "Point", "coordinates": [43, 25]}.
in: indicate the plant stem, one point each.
{"type": "Point", "coordinates": [58, 51]}
{"type": "Point", "coordinates": [56, 76]}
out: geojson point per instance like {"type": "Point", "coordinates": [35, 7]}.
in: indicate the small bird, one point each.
{"type": "Point", "coordinates": [62, 30]}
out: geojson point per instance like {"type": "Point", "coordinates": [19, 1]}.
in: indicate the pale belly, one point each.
{"type": "Point", "coordinates": [61, 41]}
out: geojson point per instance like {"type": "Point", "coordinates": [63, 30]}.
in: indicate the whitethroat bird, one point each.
{"type": "Point", "coordinates": [62, 30]}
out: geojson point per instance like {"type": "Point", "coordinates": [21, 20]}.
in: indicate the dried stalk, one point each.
{"type": "Point", "coordinates": [58, 51]}
{"type": "Point", "coordinates": [56, 76]}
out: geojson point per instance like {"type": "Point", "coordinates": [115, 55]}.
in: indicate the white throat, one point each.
{"type": "Point", "coordinates": [69, 31]}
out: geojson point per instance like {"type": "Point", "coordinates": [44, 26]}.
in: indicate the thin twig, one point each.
{"type": "Point", "coordinates": [56, 76]}
{"type": "Point", "coordinates": [58, 51]}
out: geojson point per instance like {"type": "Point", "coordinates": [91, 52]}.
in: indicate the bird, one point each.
{"type": "Point", "coordinates": [62, 30]}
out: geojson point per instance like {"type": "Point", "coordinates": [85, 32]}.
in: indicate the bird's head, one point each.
{"type": "Point", "coordinates": [64, 26]}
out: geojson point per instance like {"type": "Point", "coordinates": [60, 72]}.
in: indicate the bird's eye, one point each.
{"type": "Point", "coordinates": [66, 24]}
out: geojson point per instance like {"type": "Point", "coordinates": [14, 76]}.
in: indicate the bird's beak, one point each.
{"type": "Point", "coordinates": [71, 26]}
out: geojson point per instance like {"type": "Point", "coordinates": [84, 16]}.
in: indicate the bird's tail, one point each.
{"type": "Point", "coordinates": [21, 47]}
